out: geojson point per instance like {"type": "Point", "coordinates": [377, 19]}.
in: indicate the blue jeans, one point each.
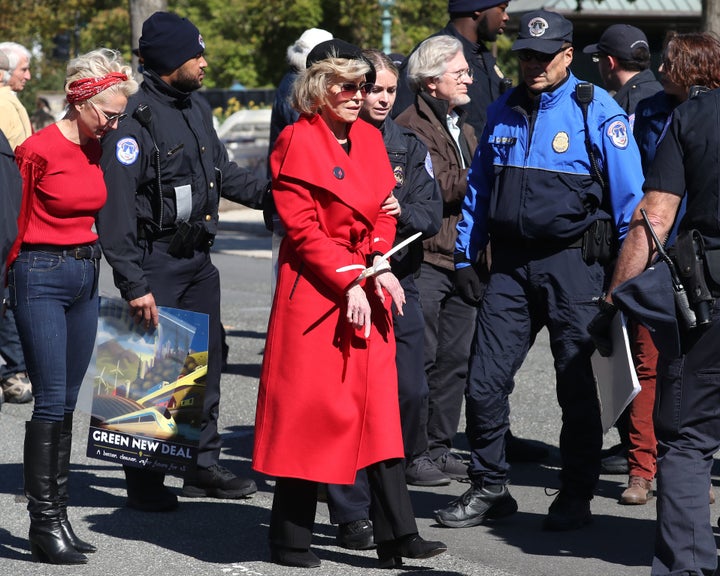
{"type": "Point", "coordinates": [55, 300]}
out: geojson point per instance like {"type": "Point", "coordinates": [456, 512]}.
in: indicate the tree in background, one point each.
{"type": "Point", "coordinates": [246, 39]}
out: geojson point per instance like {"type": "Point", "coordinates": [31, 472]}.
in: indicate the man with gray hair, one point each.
{"type": "Point", "coordinates": [16, 127]}
{"type": "Point", "coordinates": [440, 77]}
{"type": "Point", "coordinates": [14, 119]}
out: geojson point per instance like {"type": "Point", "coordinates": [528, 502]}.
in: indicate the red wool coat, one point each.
{"type": "Point", "coordinates": [328, 402]}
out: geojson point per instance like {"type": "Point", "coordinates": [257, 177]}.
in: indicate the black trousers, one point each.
{"type": "Point", "coordinates": [295, 503]}
{"type": "Point", "coordinates": [194, 284]}
{"type": "Point", "coordinates": [449, 328]}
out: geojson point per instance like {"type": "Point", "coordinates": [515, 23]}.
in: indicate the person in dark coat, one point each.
{"type": "Point", "coordinates": [623, 58]}
{"type": "Point", "coordinates": [165, 170]}
{"type": "Point", "coordinates": [472, 22]}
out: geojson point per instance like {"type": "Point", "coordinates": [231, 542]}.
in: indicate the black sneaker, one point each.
{"type": "Point", "coordinates": [476, 506]}
{"type": "Point", "coordinates": [452, 465]}
{"type": "Point", "coordinates": [614, 460]}
{"type": "Point", "coordinates": [356, 535]}
{"type": "Point", "coordinates": [567, 512]}
{"type": "Point", "coordinates": [424, 472]}
{"type": "Point", "coordinates": [217, 482]}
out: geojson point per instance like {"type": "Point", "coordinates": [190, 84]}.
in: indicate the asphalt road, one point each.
{"type": "Point", "coordinates": [208, 537]}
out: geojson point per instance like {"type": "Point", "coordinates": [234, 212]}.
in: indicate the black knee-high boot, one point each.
{"type": "Point", "coordinates": [62, 483]}
{"type": "Point", "coordinates": [48, 542]}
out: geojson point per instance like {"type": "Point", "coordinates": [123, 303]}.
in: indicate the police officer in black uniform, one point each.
{"type": "Point", "coordinates": [165, 171]}
{"type": "Point", "coordinates": [687, 420]}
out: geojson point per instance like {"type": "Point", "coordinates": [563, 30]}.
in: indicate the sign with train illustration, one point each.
{"type": "Point", "coordinates": [148, 388]}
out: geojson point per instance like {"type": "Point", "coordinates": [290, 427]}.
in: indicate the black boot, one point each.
{"type": "Point", "coordinates": [147, 492]}
{"type": "Point", "coordinates": [62, 484]}
{"type": "Point", "coordinates": [48, 542]}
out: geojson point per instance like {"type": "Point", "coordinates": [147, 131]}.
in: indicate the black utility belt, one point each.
{"type": "Point", "coordinates": [84, 252]}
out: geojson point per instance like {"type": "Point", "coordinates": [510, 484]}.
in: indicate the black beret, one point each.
{"type": "Point", "coordinates": [337, 48]}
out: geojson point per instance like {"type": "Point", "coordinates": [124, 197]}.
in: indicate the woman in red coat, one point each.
{"type": "Point", "coordinates": [328, 403]}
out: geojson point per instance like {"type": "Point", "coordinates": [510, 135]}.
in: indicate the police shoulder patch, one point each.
{"type": "Point", "coordinates": [618, 134]}
{"type": "Point", "coordinates": [127, 151]}
{"type": "Point", "coordinates": [429, 165]}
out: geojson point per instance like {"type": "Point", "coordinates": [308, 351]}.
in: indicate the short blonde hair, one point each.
{"type": "Point", "coordinates": [310, 89]}
{"type": "Point", "coordinates": [98, 63]}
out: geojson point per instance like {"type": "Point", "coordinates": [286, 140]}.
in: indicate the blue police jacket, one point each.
{"type": "Point", "coordinates": [531, 178]}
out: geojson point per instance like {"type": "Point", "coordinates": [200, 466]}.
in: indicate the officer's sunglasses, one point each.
{"type": "Point", "coordinates": [110, 119]}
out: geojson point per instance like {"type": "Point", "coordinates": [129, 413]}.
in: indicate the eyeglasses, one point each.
{"type": "Point", "coordinates": [527, 55]}
{"type": "Point", "coordinates": [352, 89]}
{"type": "Point", "coordinates": [109, 119]}
{"type": "Point", "coordinates": [458, 76]}
{"type": "Point", "coordinates": [596, 57]}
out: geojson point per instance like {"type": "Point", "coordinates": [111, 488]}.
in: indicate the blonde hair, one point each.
{"type": "Point", "coordinates": [310, 89]}
{"type": "Point", "coordinates": [98, 63]}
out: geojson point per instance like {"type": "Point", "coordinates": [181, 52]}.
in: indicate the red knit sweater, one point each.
{"type": "Point", "coordinates": [63, 189]}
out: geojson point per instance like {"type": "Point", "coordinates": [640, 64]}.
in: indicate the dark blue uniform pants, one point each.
{"type": "Point", "coordinates": [193, 284]}
{"type": "Point", "coordinates": [529, 289]}
{"type": "Point", "coordinates": [687, 426]}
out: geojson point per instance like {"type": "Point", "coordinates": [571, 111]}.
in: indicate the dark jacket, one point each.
{"type": "Point", "coordinates": [426, 117]}
{"type": "Point", "coordinates": [10, 199]}
{"type": "Point", "coordinates": [641, 86]}
{"type": "Point", "coordinates": [194, 171]}
{"type": "Point", "coordinates": [417, 192]}
{"type": "Point", "coordinates": [484, 89]}
{"type": "Point", "coordinates": [651, 116]}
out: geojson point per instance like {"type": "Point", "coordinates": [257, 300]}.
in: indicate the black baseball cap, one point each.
{"type": "Point", "coordinates": [619, 40]}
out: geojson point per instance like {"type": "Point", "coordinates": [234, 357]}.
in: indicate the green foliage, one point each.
{"type": "Point", "coordinates": [246, 39]}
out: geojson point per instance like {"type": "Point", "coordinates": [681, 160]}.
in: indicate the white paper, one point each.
{"type": "Point", "coordinates": [615, 378]}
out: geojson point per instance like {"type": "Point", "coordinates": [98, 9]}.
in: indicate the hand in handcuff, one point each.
{"type": "Point", "coordinates": [356, 313]}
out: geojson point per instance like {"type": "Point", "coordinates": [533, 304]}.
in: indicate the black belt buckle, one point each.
{"type": "Point", "coordinates": [90, 252]}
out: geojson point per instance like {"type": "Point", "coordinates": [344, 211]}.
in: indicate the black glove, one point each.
{"type": "Point", "coordinates": [268, 209]}
{"type": "Point", "coordinates": [468, 285]}
{"type": "Point", "coordinates": [600, 327]}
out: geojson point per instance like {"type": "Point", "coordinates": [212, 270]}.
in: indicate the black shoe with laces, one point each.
{"type": "Point", "coordinates": [476, 506]}
{"type": "Point", "coordinates": [356, 535]}
{"type": "Point", "coordinates": [567, 512]}
{"type": "Point", "coordinates": [424, 472]}
{"type": "Point", "coordinates": [452, 465]}
{"type": "Point", "coordinates": [217, 482]}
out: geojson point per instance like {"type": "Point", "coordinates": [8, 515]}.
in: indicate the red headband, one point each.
{"type": "Point", "coordinates": [85, 88]}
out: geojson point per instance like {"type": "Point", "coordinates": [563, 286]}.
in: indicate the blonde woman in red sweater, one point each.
{"type": "Point", "coordinates": [53, 280]}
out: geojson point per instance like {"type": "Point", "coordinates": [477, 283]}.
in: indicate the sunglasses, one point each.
{"type": "Point", "coordinates": [527, 55]}
{"type": "Point", "coordinates": [352, 89]}
{"type": "Point", "coordinates": [110, 119]}
{"type": "Point", "coordinates": [597, 56]}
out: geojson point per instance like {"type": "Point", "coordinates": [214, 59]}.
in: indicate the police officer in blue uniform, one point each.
{"type": "Point", "coordinates": [541, 195]}
{"type": "Point", "coordinates": [165, 171]}
{"type": "Point", "coordinates": [687, 420]}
